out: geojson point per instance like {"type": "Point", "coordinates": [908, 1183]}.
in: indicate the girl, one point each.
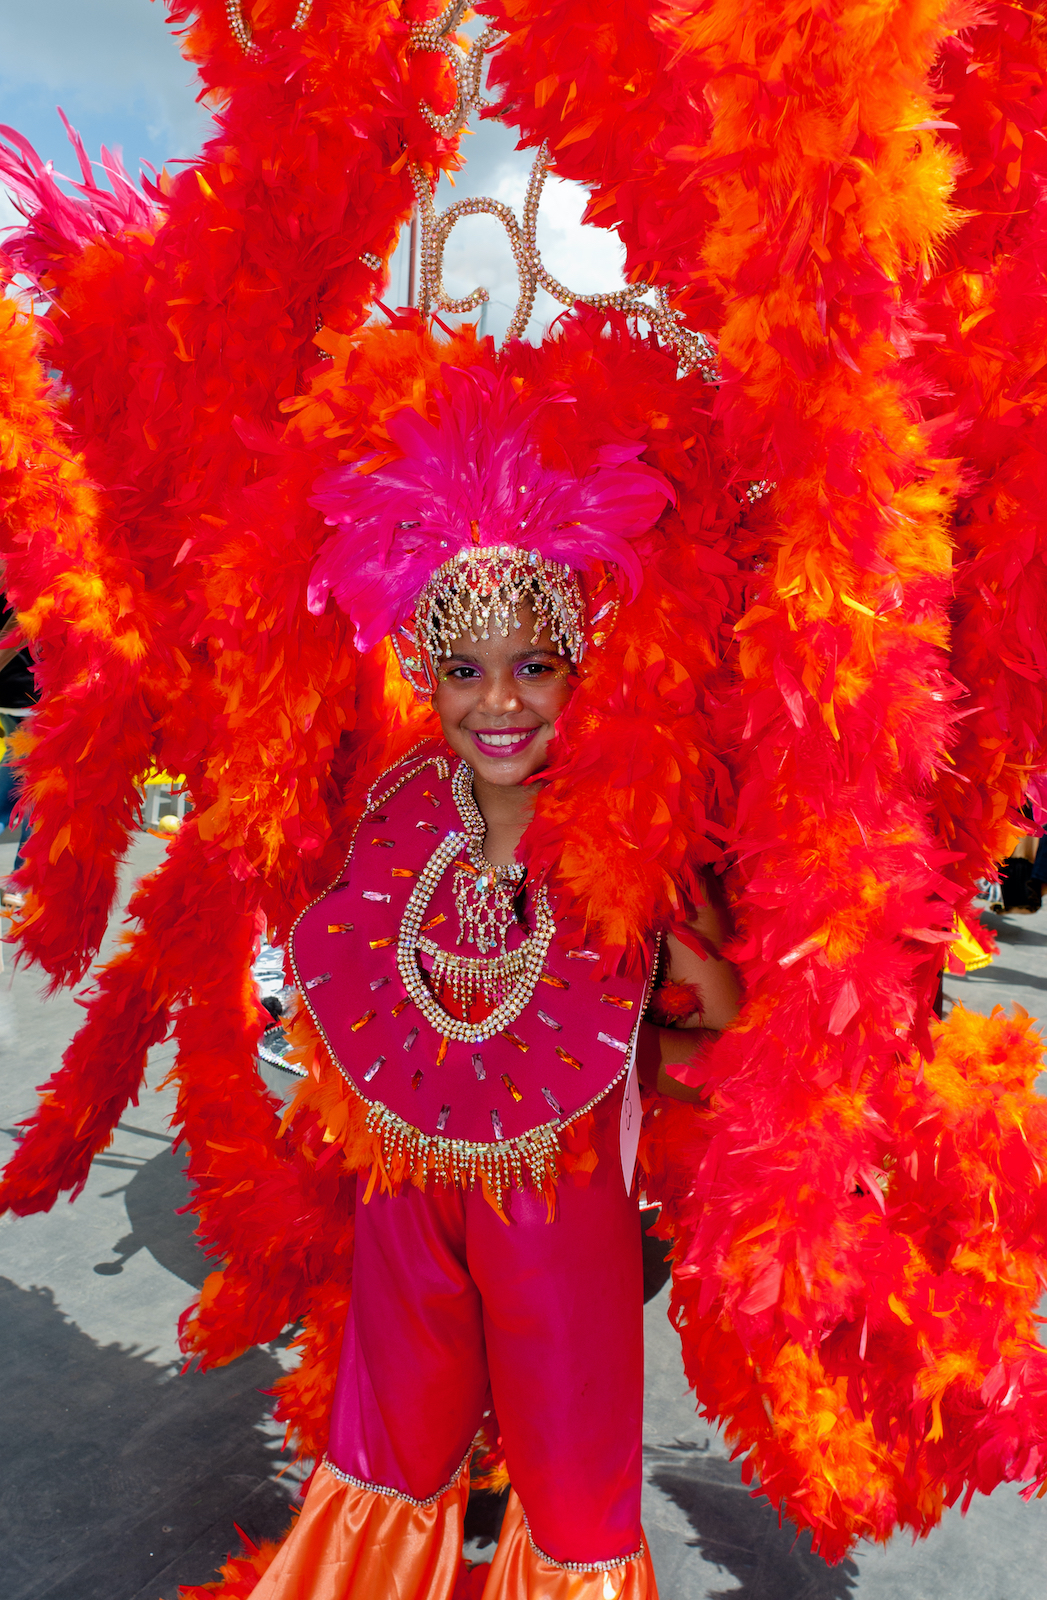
{"type": "Point", "coordinates": [496, 1053]}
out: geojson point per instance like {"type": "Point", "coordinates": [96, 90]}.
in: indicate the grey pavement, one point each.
{"type": "Point", "coordinates": [122, 1477]}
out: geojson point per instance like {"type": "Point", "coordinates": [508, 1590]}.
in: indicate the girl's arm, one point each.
{"type": "Point", "coordinates": [715, 982]}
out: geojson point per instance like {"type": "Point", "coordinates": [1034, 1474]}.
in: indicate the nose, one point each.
{"type": "Point", "coordinates": [500, 695]}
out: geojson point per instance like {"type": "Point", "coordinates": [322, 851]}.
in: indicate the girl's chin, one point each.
{"type": "Point", "coordinates": [506, 773]}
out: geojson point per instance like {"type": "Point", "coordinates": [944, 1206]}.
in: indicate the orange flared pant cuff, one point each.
{"type": "Point", "coordinates": [519, 1571]}
{"type": "Point", "coordinates": [351, 1541]}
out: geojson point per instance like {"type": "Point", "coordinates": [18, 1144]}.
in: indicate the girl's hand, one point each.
{"type": "Point", "coordinates": [693, 961]}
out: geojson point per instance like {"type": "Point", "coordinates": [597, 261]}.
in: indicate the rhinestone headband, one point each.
{"type": "Point", "coordinates": [482, 590]}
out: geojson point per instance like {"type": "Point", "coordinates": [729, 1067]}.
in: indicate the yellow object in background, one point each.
{"type": "Point", "coordinates": [157, 787]}
{"type": "Point", "coordinates": [966, 948]}
{"type": "Point", "coordinates": [164, 779]}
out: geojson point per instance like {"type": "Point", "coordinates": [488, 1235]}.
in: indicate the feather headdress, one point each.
{"type": "Point", "coordinates": [474, 478]}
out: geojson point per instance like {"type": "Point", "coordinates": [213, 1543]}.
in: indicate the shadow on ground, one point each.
{"type": "Point", "coordinates": [120, 1480]}
{"type": "Point", "coordinates": [1010, 977]}
{"type": "Point", "coordinates": [1011, 930]}
{"type": "Point", "coordinates": [740, 1535]}
{"type": "Point", "coordinates": [155, 1198]}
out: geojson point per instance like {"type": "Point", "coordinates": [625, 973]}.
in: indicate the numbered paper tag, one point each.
{"type": "Point", "coordinates": [629, 1124]}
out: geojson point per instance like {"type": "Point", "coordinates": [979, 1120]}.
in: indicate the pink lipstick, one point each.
{"type": "Point", "coordinates": [501, 744]}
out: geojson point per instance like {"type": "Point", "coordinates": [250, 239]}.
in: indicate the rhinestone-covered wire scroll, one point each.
{"type": "Point", "coordinates": [241, 28]}
{"type": "Point", "coordinates": [467, 64]}
{"type": "Point", "coordinates": [694, 350]}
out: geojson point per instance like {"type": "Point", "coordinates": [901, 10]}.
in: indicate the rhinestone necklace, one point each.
{"type": "Point", "coordinates": [506, 980]}
{"type": "Point", "coordinates": [483, 894]}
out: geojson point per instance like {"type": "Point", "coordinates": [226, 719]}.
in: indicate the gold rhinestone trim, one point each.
{"type": "Point", "coordinates": [459, 1163]}
{"type": "Point", "coordinates": [397, 1494]}
{"type": "Point", "coordinates": [523, 966]}
{"type": "Point", "coordinates": [375, 802]}
{"type": "Point", "coordinates": [583, 1566]}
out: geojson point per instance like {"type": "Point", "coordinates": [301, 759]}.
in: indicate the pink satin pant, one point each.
{"type": "Point", "coordinates": [451, 1307]}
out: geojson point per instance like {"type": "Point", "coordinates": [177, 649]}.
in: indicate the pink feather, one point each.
{"type": "Point", "coordinates": [71, 220]}
{"type": "Point", "coordinates": [473, 477]}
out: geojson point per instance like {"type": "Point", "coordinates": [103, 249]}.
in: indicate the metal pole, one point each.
{"type": "Point", "coordinates": [412, 261]}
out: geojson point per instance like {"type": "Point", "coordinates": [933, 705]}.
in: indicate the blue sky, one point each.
{"type": "Point", "coordinates": [115, 69]}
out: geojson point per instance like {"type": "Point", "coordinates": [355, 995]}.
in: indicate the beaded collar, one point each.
{"type": "Point", "coordinates": [506, 980]}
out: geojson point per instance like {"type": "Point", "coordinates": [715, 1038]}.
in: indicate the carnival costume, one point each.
{"type": "Point", "coordinates": [828, 689]}
{"type": "Point", "coordinates": [477, 1276]}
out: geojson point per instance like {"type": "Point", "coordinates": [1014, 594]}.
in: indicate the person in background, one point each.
{"type": "Point", "coordinates": [17, 701]}
{"type": "Point", "coordinates": [1038, 875]}
{"type": "Point", "coordinates": [1023, 874]}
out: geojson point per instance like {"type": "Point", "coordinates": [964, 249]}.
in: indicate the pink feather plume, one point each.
{"type": "Point", "coordinates": [473, 477]}
{"type": "Point", "coordinates": [68, 220]}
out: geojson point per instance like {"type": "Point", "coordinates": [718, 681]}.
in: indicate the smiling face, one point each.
{"type": "Point", "coordinates": [498, 701]}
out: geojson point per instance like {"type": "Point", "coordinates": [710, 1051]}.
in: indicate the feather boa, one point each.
{"type": "Point", "coordinates": [240, 1574]}
{"type": "Point", "coordinates": [829, 192]}
{"type": "Point", "coordinates": [154, 401]}
{"type": "Point", "coordinates": [986, 313]}
{"type": "Point", "coordinates": [606, 88]}
{"type": "Point", "coordinates": [66, 587]}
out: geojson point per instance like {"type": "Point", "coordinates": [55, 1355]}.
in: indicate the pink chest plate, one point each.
{"type": "Point", "coordinates": [573, 1039]}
